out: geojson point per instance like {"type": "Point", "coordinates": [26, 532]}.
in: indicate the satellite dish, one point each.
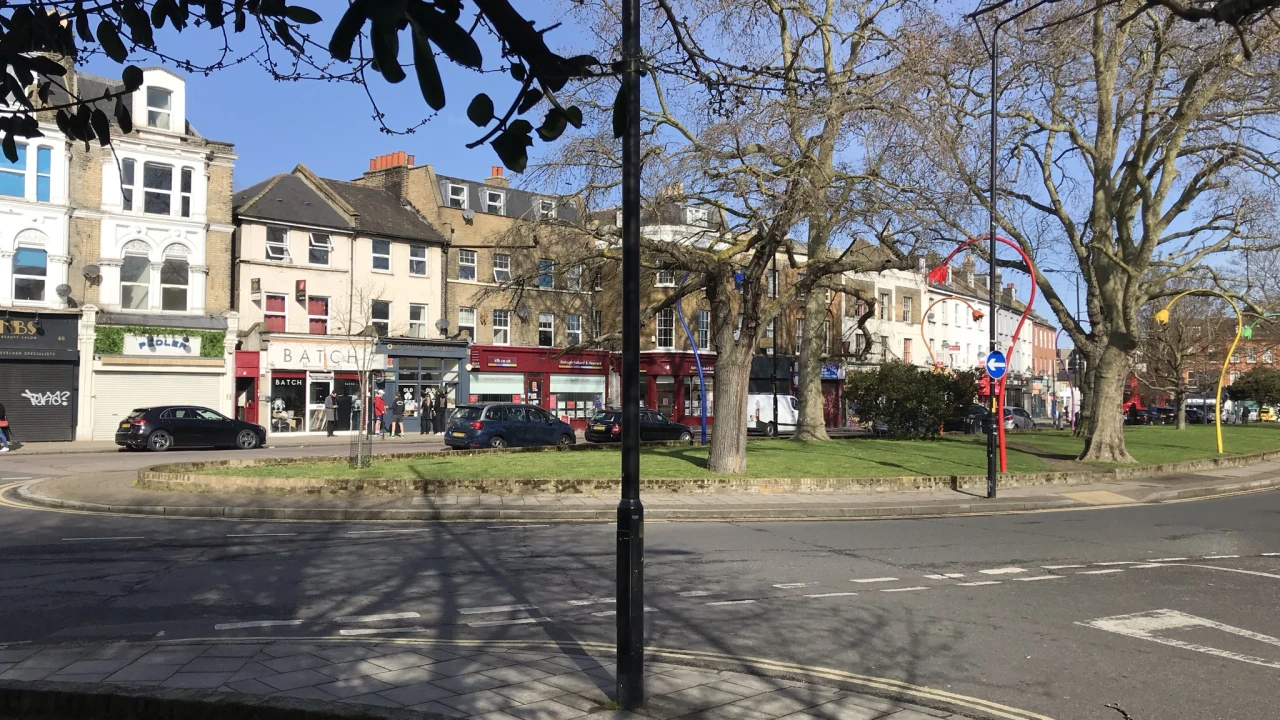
{"type": "Point", "coordinates": [468, 214]}
{"type": "Point", "coordinates": [92, 272]}
{"type": "Point", "coordinates": [64, 291]}
{"type": "Point", "coordinates": [442, 325]}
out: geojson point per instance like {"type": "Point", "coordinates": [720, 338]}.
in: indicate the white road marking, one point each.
{"type": "Point", "coordinates": [256, 624]}
{"type": "Point", "coordinates": [1144, 566]}
{"type": "Point", "coordinates": [1156, 560]}
{"type": "Point", "coordinates": [377, 631]}
{"type": "Point", "coordinates": [979, 584]}
{"type": "Point", "coordinates": [1100, 572]}
{"type": "Point", "coordinates": [1270, 554]}
{"type": "Point", "coordinates": [789, 586]}
{"type": "Point", "coordinates": [378, 618]}
{"type": "Point", "coordinates": [1040, 577]}
{"type": "Point", "coordinates": [1219, 557]}
{"type": "Point", "coordinates": [906, 589]}
{"type": "Point", "coordinates": [512, 527]}
{"type": "Point", "coordinates": [592, 601]}
{"type": "Point", "coordinates": [731, 602]}
{"type": "Point", "coordinates": [19, 477]}
{"type": "Point", "coordinates": [1061, 567]}
{"type": "Point", "coordinates": [945, 576]}
{"type": "Point", "coordinates": [695, 593]}
{"type": "Point", "coordinates": [831, 594]}
{"type": "Point", "coordinates": [1003, 571]}
{"type": "Point", "coordinates": [875, 580]}
{"type": "Point", "coordinates": [1116, 562]}
{"type": "Point", "coordinates": [520, 621]}
{"type": "Point", "coordinates": [123, 537]}
{"type": "Point", "coordinates": [495, 609]}
{"type": "Point", "coordinates": [610, 613]}
{"type": "Point", "coordinates": [1144, 626]}
{"type": "Point", "coordinates": [383, 532]}
{"type": "Point", "coordinates": [264, 535]}
{"type": "Point", "coordinates": [1234, 570]}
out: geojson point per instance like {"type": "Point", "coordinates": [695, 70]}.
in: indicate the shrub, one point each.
{"type": "Point", "coordinates": [912, 401]}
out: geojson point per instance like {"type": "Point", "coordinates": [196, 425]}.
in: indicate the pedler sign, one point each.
{"type": "Point", "coordinates": [162, 345]}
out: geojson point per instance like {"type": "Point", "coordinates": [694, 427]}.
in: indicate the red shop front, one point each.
{"type": "Point", "coordinates": [572, 386]}
{"type": "Point", "coordinates": [672, 386]}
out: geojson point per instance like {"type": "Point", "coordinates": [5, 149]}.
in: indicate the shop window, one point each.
{"type": "Point", "coordinates": [546, 274]}
{"type": "Point", "coordinates": [693, 396]}
{"type": "Point", "coordinates": [157, 185]}
{"type": "Point", "coordinates": [380, 317]}
{"type": "Point", "coordinates": [666, 329]}
{"type": "Point", "coordinates": [318, 315]}
{"type": "Point", "coordinates": [275, 312]}
{"type": "Point", "coordinates": [288, 404]}
{"type": "Point", "coordinates": [546, 330]}
{"type": "Point", "coordinates": [458, 196]}
{"type": "Point", "coordinates": [501, 327]}
{"type": "Point", "coordinates": [320, 248]}
{"type": "Point", "coordinates": [382, 255]}
{"type": "Point", "coordinates": [501, 267]}
{"type": "Point", "coordinates": [30, 267]}
{"type": "Point", "coordinates": [185, 189]}
{"type": "Point", "coordinates": [175, 276]}
{"type": "Point", "coordinates": [704, 329]}
{"type": "Point", "coordinates": [418, 260]}
{"type": "Point", "coordinates": [418, 321]}
{"type": "Point", "coordinates": [159, 108]}
{"type": "Point", "coordinates": [577, 396]}
{"type": "Point", "coordinates": [44, 173]}
{"type": "Point", "coordinates": [278, 244]}
{"type": "Point", "coordinates": [467, 322]}
{"type": "Point", "coordinates": [13, 175]}
{"type": "Point", "coordinates": [573, 279]}
{"type": "Point", "coordinates": [493, 201]}
{"type": "Point", "coordinates": [466, 264]}
{"type": "Point", "coordinates": [573, 330]}
{"type": "Point", "coordinates": [135, 282]}
{"type": "Point", "coordinates": [127, 168]}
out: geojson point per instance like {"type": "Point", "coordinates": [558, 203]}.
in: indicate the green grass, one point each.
{"type": "Point", "coordinates": [1164, 443]}
{"type": "Point", "coordinates": [860, 457]}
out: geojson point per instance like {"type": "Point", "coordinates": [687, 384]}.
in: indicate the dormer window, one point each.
{"type": "Point", "coordinates": [546, 209]}
{"type": "Point", "coordinates": [458, 196]}
{"type": "Point", "coordinates": [696, 216]}
{"type": "Point", "coordinates": [493, 201]}
{"type": "Point", "coordinates": [159, 108]}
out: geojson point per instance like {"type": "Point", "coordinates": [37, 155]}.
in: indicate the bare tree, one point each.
{"type": "Point", "coordinates": [1130, 145]}
{"type": "Point", "coordinates": [1169, 353]}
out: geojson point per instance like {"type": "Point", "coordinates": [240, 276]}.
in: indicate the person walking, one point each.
{"type": "Point", "coordinates": [331, 412]}
{"type": "Point", "coordinates": [441, 412]}
{"type": "Point", "coordinates": [427, 418]}
{"type": "Point", "coordinates": [4, 430]}
{"type": "Point", "coordinates": [379, 411]}
{"type": "Point", "coordinates": [397, 417]}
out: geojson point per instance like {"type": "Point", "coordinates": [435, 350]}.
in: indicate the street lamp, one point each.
{"type": "Point", "coordinates": [1162, 317]}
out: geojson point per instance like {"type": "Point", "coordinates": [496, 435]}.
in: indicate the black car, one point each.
{"type": "Point", "coordinates": [1165, 415]}
{"type": "Point", "coordinates": [974, 420]}
{"type": "Point", "coordinates": [505, 425]}
{"type": "Point", "coordinates": [170, 426]}
{"type": "Point", "coordinates": [606, 426]}
{"type": "Point", "coordinates": [1195, 416]}
{"type": "Point", "coordinates": [1141, 416]}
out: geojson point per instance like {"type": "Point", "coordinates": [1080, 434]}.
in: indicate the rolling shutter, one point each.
{"type": "Point", "coordinates": [39, 399]}
{"type": "Point", "coordinates": [116, 394]}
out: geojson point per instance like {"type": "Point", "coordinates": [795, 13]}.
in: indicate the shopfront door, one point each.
{"type": "Point", "coordinates": [535, 388]}
{"type": "Point", "coordinates": [666, 394]}
{"type": "Point", "coordinates": [319, 386]}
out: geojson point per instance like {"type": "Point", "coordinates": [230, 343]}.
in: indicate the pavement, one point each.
{"type": "Point", "coordinates": [488, 681]}
{"type": "Point", "coordinates": [407, 443]}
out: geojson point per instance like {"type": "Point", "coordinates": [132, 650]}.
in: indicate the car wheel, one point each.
{"type": "Point", "coordinates": [247, 440]}
{"type": "Point", "coordinates": [497, 441]}
{"type": "Point", "coordinates": [686, 436]}
{"type": "Point", "coordinates": [159, 441]}
{"type": "Point", "coordinates": [564, 441]}
{"type": "Point", "coordinates": [771, 430]}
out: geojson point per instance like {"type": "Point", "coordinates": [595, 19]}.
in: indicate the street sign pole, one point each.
{"type": "Point", "coordinates": [630, 593]}
{"type": "Point", "coordinates": [996, 388]}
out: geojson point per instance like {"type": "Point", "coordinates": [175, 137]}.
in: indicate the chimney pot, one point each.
{"type": "Point", "coordinates": [410, 161]}
{"type": "Point", "coordinates": [495, 171]}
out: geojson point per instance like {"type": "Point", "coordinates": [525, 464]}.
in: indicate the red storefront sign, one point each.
{"type": "Point", "coordinates": [491, 358]}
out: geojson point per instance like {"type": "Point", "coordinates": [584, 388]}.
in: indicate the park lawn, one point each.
{"type": "Point", "coordinates": [1151, 445]}
{"type": "Point", "coordinates": [852, 457]}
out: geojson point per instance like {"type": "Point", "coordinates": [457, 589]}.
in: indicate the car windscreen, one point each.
{"type": "Point", "coordinates": [466, 413]}
{"type": "Point", "coordinates": [138, 413]}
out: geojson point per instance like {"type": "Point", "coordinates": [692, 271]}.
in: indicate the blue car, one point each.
{"type": "Point", "coordinates": [505, 425]}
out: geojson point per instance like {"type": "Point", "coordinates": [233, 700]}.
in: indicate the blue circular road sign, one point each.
{"type": "Point", "coordinates": [996, 365]}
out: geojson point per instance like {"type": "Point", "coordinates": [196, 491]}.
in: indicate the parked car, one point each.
{"type": "Point", "coordinates": [972, 421]}
{"type": "Point", "coordinates": [505, 425]}
{"type": "Point", "coordinates": [169, 426]}
{"type": "Point", "coordinates": [760, 414]}
{"type": "Point", "coordinates": [606, 426]}
{"type": "Point", "coordinates": [1165, 415]}
{"type": "Point", "coordinates": [1140, 416]}
{"type": "Point", "coordinates": [1266, 414]}
{"type": "Point", "coordinates": [1016, 418]}
{"type": "Point", "coordinates": [1195, 416]}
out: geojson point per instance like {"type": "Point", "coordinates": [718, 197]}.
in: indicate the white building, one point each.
{"type": "Point", "coordinates": [34, 211]}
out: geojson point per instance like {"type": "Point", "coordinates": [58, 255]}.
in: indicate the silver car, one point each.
{"type": "Point", "coordinates": [1015, 418]}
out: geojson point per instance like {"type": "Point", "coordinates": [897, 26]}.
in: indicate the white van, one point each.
{"type": "Point", "coordinates": [760, 414]}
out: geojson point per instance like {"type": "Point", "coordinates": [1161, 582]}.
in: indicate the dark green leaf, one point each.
{"type": "Point", "coordinates": [530, 98]}
{"type": "Point", "coordinates": [282, 29]}
{"type": "Point", "coordinates": [451, 38]}
{"type": "Point", "coordinates": [271, 8]}
{"type": "Point", "coordinates": [10, 147]}
{"type": "Point", "coordinates": [213, 10]}
{"type": "Point", "coordinates": [620, 112]}
{"type": "Point", "coordinates": [553, 125]}
{"type": "Point", "coordinates": [139, 24]}
{"type": "Point", "coordinates": [123, 117]}
{"type": "Point", "coordinates": [109, 39]}
{"type": "Point", "coordinates": [428, 73]}
{"type": "Point", "coordinates": [83, 28]}
{"type": "Point", "coordinates": [513, 144]}
{"type": "Point", "coordinates": [101, 127]}
{"type": "Point", "coordinates": [158, 13]}
{"type": "Point", "coordinates": [302, 16]}
{"type": "Point", "coordinates": [574, 115]}
{"type": "Point", "coordinates": [241, 20]}
{"type": "Point", "coordinates": [386, 50]}
{"type": "Point", "coordinates": [45, 65]}
{"type": "Point", "coordinates": [132, 78]}
{"type": "Point", "coordinates": [344, 36]}
{"type": "Point", "coordinates": [480, 111]}
{"type": "Point", "coordinates": [517, 71]}
{"type": "Point", "coordinates": [63, 120]}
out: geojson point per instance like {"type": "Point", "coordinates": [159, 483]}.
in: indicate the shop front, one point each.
{"type": "Point", "coordinates": [424, 373]}
{"type": "Point", "coordinates": [833, 415]}
{"type": "Point", "coordinates": [673, 387]}
{"type": "Point", "coordinates": [301, 371]}
{"type": "Point", "coordinates": [572, 386]}
{"type": "Point", "coordinates": [248, 369]}
{"type": "Point", "coordinates": [39, 374]}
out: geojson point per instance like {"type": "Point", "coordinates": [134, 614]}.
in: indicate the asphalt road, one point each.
{"type": "Point", "coordinates": [964, 604]}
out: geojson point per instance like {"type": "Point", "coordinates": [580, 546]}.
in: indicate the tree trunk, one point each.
{"type": "Point", "coordinates": [1105, 439]}
{"type": "Point", "coordinates": [1181, 396]}
{"type": "Point", "coordinates": [1084, 385]}
{"type": "Point", "coordinates": [728, 452]}
{"type": "Point", "coordinates": [812, 424]}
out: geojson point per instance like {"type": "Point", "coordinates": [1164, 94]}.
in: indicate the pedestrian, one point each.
{"type": "Point", "coordinates": [379, 411]}
{"type": "Point", "coordinates": [427, 418]}
{"type": "Point", "coordinates": [442, 412]}
{"type": "Point", "coordinates": [4, 430]}
{"type": "Point", "coordinates": [331, 412]}
{"type": "Point", "coordinates": [397, 417]}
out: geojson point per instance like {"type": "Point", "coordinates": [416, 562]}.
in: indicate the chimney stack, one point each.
{"type": "Point", "coordinates": [395, 159]}
{"type": "Point", "coordinates": [495, 177]}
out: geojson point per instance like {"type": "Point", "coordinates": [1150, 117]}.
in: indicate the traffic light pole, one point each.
{"type": "Point", "coordinates": [630, 594]}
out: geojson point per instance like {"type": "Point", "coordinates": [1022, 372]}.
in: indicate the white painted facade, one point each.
{"type": "Point", "coordinates": [34, 220]}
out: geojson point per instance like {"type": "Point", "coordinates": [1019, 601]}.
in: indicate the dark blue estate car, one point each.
{"type": "Point", "coordinates": [505, 425]}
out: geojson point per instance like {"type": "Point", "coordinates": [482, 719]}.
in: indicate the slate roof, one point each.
{"type": "Point", "coordinates": [381, 213]}
{"type": "Point", "coordinates": [516, 203]}
{"type": "Point", "coordinates": [288, 198]}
